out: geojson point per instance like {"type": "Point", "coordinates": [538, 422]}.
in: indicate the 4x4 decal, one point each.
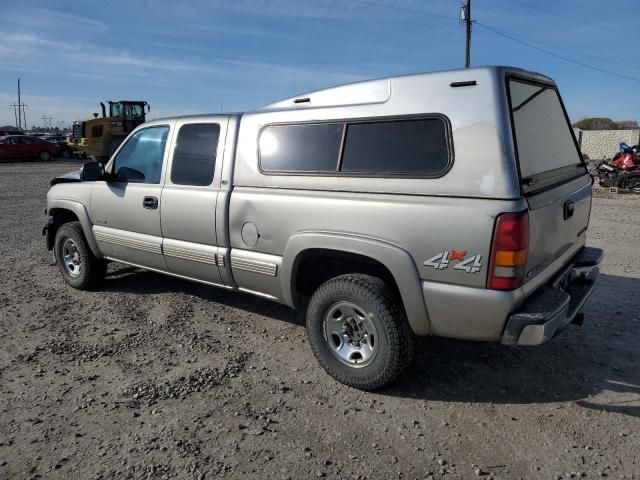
{"type": "Point", "coordinates": [441, 261]}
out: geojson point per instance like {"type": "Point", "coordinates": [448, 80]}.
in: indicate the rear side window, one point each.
{"type": "Point", "coordinates": [417, 147]}
{"type": "Point", "coordinates": [194, 156]}
{"type": "Point", "coordinates": [409, 147]}
{"type": "Point", "coordinates": [547, 152]}
{"type": "Point", "coordinates": [301, 148]}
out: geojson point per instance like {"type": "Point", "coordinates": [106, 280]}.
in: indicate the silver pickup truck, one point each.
{"type": "Point", "coordinates": [453, 204]}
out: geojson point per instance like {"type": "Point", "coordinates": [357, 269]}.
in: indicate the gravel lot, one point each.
{"type": "Point", "coordinates": [154, 377]}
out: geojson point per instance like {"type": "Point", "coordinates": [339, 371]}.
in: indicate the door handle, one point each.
{"type": "Point", "coordinates": [150, 202]}
{"type": "Point", "coordinates": [568, 210]}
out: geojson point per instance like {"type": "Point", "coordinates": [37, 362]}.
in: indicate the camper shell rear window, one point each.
{"type": "Point", "coordinates": [546, 149]}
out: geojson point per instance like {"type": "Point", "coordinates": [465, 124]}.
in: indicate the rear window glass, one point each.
{"type": "Point", "coordinates": [416, 147]}
{"type": "Point", "coordinates": [301, 148]}
{"type": "Point", "coordinates": [543, 134]}
{"type": "Point", "coordinates": [194, 156]}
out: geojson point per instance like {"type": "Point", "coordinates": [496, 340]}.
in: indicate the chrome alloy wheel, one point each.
{"type": "Point", "coordinates": [350, 335]}
{"type": "Point", "coordinates": [71, 258]}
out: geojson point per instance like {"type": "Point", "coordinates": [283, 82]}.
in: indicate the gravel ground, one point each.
{"type": "Point", "coordinates": [154, 377]}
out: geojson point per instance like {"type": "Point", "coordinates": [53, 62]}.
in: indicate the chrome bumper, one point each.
{"type": "Point", "coordinates": [557, 304]}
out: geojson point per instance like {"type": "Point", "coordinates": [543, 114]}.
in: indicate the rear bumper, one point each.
{"type": "Point", "coordinates": [556, 304]}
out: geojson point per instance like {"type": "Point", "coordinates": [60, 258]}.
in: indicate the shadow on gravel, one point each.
{"type": "Point", "coordinates": [141, 282]}
{"type": "Point", "coordinates": [582, 362]}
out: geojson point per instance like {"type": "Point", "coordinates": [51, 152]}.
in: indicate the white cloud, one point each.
{"type": "Point", "coordinates": [38, 19]}
{"type": "Point", "coordinates": [13, 45]}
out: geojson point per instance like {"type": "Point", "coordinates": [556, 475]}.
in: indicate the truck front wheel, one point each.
{"type": "Point", "coordinates": [79, 267]}
{"type": "Point", "coordinates": [358, 331]}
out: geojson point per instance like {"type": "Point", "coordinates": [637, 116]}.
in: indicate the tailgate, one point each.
{"type": "Point", "coordinates": [558, 220]}
{"type": "Point", "coordinates": [553, 175]}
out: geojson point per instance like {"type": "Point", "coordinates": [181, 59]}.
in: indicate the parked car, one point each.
{"type": "Point", "coordinates": [453, 204]}
{"type": "Point", "coordinates": [26, 147]}
{"type": "Point", "coordinates": [65, 150]}
{"type": "Point", "coordinates": [6, 133]}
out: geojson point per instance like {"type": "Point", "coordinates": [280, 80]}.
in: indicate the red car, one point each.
{"type": "Point", "coordinates": [26, 147]}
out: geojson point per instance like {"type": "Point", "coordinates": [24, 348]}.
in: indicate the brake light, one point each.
{"type": "Point", "coordinates": [509, 251]}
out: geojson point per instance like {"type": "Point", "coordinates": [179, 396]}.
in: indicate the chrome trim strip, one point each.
{"type": "Point", "coordinates": [164, 272]}
{"type": "Point", "coordinates": [189, 254]}
{"type": "Point", "coordinates": [125, 241]}
{"type": "Point", "coordinates": [254, 266]}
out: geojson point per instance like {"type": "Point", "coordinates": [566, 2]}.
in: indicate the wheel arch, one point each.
{"type": "Point", "coordinates": [64, 211]}
{"type": "Point", "coordinates": [395, 260]}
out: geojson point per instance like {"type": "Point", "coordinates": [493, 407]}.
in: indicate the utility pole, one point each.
{"type": "Point", "coordinates": [19, 107]}
{"type": "Point", "coordinates": [15, 112]}
{"type": "Point", "coordinates": [19, 110]}
{"type": "Point", "coordinates": [465, 16]}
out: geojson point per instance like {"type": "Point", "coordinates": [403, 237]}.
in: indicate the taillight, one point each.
{"type": "Point", "coordinates": [509, 251]}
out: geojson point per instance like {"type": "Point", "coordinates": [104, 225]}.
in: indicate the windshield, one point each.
{"type": "Point", "coordinates": [543, 134]}
{"type": "Point", "coordinates": [128, 110]}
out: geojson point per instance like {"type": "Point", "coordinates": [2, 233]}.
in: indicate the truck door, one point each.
{"type": "Point", "coordinates": [125, 210]}
{"type": "Point", "coordinates": [189, 199]}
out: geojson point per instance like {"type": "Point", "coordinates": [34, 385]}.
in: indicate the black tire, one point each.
{"type": "Point", "coordinates": [90, 270]}
{"type": "Point", "coordinates": [634, 185]}
{"type": "Point", "coordinates": [44, 156]}
{"type": "Point", "coordinates": [395, 340]}
{"type": "Point", "coordinates": [67, 153]}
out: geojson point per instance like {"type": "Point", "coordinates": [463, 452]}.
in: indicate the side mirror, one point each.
{"type": "Point", "coordinates": [92, 172]}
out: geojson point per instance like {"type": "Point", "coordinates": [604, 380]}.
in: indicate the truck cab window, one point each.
{"type": "Point", "coordinates": [194, 156]}
{"type": "Point", "coordinates": [140, 159]}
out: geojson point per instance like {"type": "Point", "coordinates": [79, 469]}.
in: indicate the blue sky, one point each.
{"type": "Point", "coordinates": [203, 55]}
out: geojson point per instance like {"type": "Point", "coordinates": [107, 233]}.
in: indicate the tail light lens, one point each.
{"type": "Point", "coordinates": [509, 251]}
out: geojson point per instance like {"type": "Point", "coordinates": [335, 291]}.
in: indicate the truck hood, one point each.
{"type": "Point", "coordinates": [74, 176]}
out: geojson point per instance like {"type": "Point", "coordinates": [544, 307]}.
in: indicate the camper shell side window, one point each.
{"type": "Point", "coordinates": [409, 146]}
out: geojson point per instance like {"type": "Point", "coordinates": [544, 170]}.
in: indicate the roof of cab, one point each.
{"type": "Point", "coordinates": [379, 90]}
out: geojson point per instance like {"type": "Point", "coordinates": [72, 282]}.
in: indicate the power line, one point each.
{"type": "Point", "coordinates": [577, 52]}
{"type": "Point", "coordinates": [571, 19]}
{"type": "Point", "coordinates": [20, 112]}
{"type": "Point", "coordinates": [514, 38]}
{"type": "Point", "coordinates": [402, 9]}
{"type": "Point", "coordinates": [562, 57]}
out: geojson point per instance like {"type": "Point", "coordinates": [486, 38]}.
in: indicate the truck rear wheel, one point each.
{"type": "Point", "coordinates": [359, 332]}
{"type": "Point", "coordinates": [77, 263]}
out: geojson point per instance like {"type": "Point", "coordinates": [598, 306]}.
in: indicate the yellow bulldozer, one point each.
{"type": "Point", "coordinates": [101, 136]}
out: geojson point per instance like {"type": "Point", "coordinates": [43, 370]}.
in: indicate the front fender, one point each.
{"type": "Point", "coordinates": [394, 258]}
{"type": "Point", "coordinates": [79, 210]}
